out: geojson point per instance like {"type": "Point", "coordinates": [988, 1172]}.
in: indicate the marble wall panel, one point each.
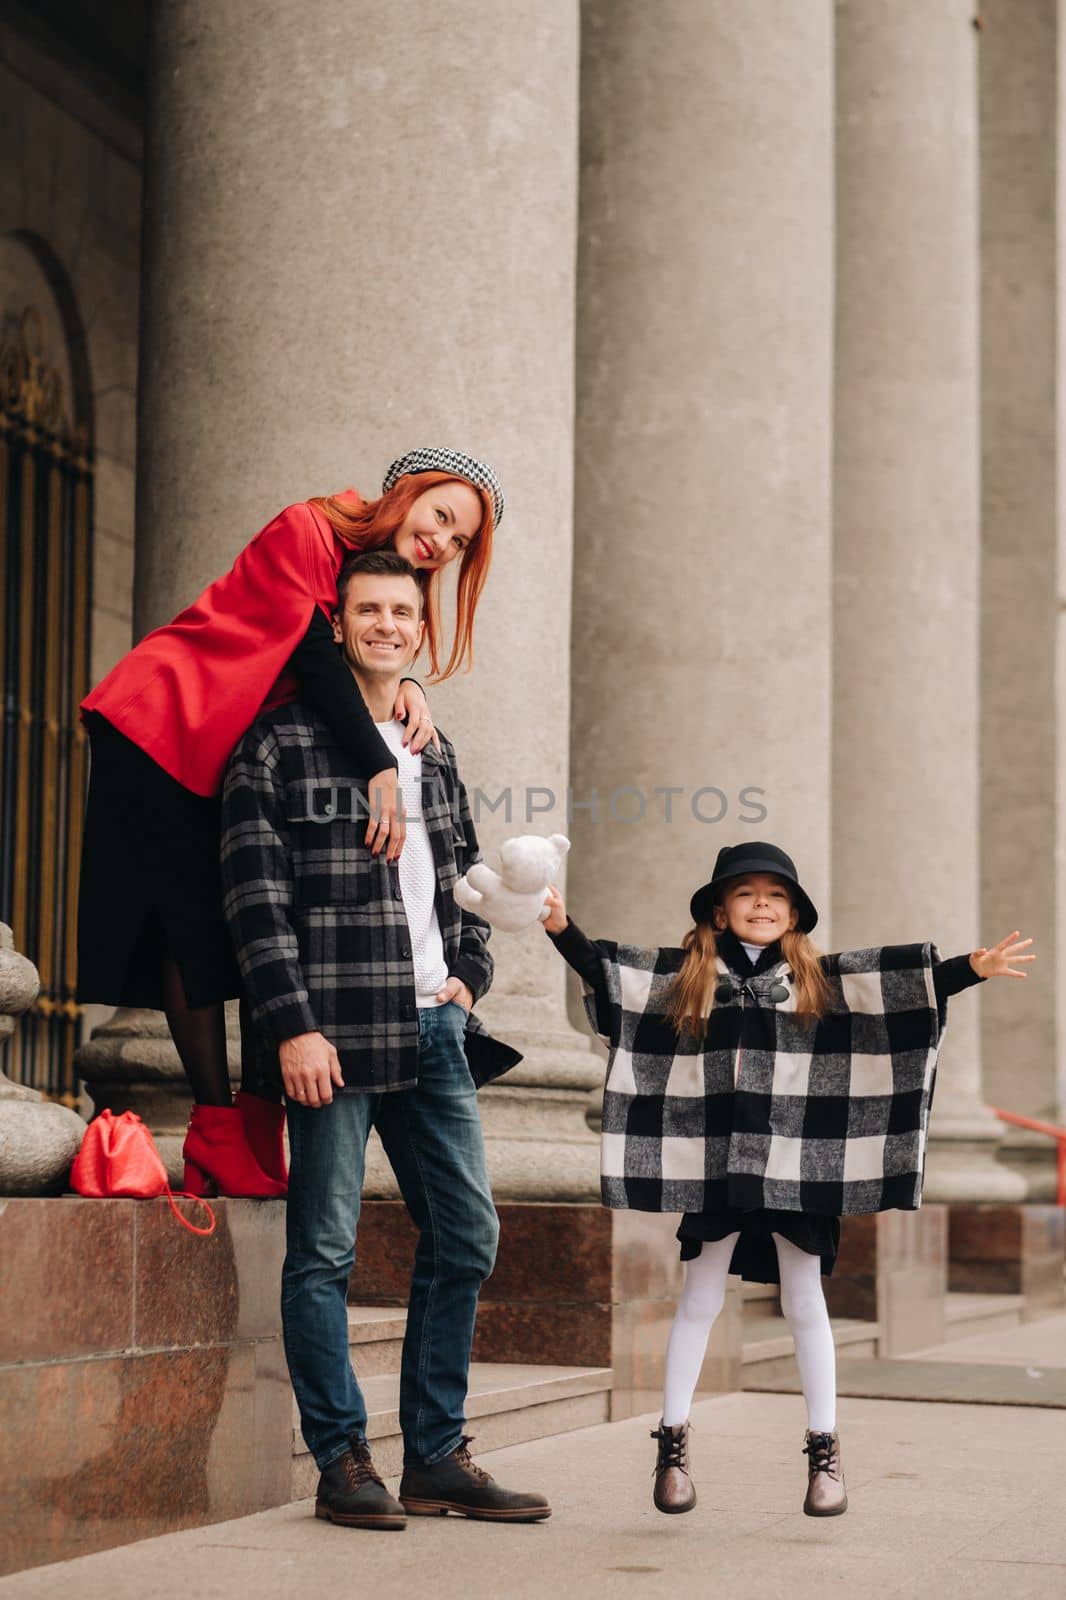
{"type": "Point", "coordinates": [66, 1266]}
{"type": "Point", "coordinates": [106, 1441]}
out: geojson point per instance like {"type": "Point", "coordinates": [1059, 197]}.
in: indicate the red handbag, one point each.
{"type": "Point", "coordinates": [118, 1160]}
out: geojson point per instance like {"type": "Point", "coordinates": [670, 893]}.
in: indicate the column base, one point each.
{"type": "Point", "coordinates": [130, 1063]}
{"type": "Point", "coordinates": [1032, 1158]}
{"type": "Point", "coordinates": [539, 1144]}
{"type": "Point", "coordinates": [38, 1141]}
{"type": "Point", "coordinates": [962, 1165]}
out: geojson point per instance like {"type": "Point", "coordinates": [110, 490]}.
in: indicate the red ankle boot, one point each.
{"type": "Point", "coordinates": [264, 1128]}
{"type": "Point", "coordinates": [218, 1154]}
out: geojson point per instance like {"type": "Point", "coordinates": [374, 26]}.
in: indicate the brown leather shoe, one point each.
{"type": "Point", "coordinates": [674, 1491]}
{"type": "Point", "coordinates": [826, 1495]}
{"type": "Point", "coordinates": [351, 1492]}
{"type": "Point", "coordinates": [458, 1484]}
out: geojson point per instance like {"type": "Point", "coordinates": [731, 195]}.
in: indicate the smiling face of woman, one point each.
{"type": "Point", "coordinates": [440, 525]}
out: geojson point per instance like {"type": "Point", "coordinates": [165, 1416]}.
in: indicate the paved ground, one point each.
{"type": "Point", "coordinates": [1035, 1344]}
{"type": "Point", "coordinates": [959, 1383]}
{"type": "Point", "coordinates": [1023, 1366]}
{"type": "Point", "coordinates": [946, 1501]}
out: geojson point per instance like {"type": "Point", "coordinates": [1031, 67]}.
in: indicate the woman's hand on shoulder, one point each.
{"type": "Point", "coordinates": [1002, 960]}
{"type": "Point", "coordinates": [387, 828]}
{"type": "Point", "coordinates": [412, 710]}
{"type": "Point", "coordinates": [555, 921]}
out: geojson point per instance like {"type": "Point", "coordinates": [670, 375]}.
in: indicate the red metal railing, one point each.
{"type": "Point", "coordinates": [1052, 1132]}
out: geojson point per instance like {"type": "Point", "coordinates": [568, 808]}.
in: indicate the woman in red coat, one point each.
{"type": "Point", "coordinates": [162, 725]}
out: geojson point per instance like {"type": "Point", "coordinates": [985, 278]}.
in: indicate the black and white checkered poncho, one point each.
{"type": "Point", "coordinates": [771, 1110]}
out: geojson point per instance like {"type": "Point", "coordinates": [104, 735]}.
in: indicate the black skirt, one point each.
{"type": "Point", "coordinates": [755, 1254]}
{"type": "Point", "coordinates": [150, 883]}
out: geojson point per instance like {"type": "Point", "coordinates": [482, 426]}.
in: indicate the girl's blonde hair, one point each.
{"type": "Point", "coordinates": [690, 999]}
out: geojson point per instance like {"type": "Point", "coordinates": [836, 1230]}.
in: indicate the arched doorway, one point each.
{"type": "Point", "coordinates": [46, 478]}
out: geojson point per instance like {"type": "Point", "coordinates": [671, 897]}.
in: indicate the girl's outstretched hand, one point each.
{"type": "Point", "coordinates": [1002, 960]}
{"type": "Point", "coordinates": [555, 921]}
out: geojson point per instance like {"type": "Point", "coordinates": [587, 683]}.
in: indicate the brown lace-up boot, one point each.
{"type": "Point", "coordinates": [674, 1491]}
{"type": "Point", "coordinates": [826, 1495]}
{"type": "Point", "coordinates": [351, 1492]}
{"type": "Point", "coordinates": [458, 1484]}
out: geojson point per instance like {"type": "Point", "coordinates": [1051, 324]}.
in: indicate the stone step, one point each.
{"type": "Point", "coordinates": [375, 1339]}
{"type": "Point", "coordinates": [768, 1344]}
{"type": "Point", "coordinates": [965, 1314]}
{"type": "Point", "coordinates": [506, 1404]}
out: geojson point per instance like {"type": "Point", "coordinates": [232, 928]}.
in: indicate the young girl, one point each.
{"type": "Point", "coordinates": [764, 1089]}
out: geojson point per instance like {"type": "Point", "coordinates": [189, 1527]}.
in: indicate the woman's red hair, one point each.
{"type": "Point", "coordinates": [371, 524]}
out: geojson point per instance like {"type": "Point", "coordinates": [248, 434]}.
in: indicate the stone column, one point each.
{"type": "Point", "coordinates": [702, 599]}
{"type": "Point", "coordinates": [905, 729]}
{"type": "Point", "coordinates": [1020, 100]}
{"type": "Point", "coordinates": [360, 237]}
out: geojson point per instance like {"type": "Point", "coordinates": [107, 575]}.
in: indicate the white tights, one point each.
{"type": "Point", "coordinates": [803, 1304]}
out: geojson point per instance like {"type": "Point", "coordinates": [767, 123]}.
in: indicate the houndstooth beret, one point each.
{"type": "Point", "coordinates": [436, 458]}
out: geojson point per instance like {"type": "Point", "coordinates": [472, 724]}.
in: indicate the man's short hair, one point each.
{"type": "Point", "coordinates": [378, 564]}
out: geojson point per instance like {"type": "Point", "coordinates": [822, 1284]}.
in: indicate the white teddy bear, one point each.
{"type": "Point", "coordinates": [514, 898]}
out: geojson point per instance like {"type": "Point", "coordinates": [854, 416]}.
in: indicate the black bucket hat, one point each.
{"type": "Point", "coordinates": [738, 861]}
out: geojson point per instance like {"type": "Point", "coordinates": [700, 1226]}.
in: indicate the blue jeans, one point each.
{"type": "Point", "coordinates": [432, 1137]}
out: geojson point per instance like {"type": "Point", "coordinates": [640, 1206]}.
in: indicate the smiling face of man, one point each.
{"type": "Point", "coordinates": [758, 909]}
{"type": "Point", "coordinates": [380, 627]}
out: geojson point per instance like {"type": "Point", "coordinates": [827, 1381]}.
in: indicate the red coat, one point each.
{"type": "Point", "coordinates": [190, 689]}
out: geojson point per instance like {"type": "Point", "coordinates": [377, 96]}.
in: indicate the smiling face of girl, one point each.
{"type": "Point", "coordinates": [757, 909]}
{"type": "Point", "coordinates": [440, 525]}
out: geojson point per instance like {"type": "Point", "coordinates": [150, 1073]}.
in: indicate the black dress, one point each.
{"type": "Point", "coordinates": [150, 882]}
{"type": "Point", "coordinates": [755, 1254]}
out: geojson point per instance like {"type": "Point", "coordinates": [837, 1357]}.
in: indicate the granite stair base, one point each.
{"type": "Point", "coordinates": [507, 1404]}
{"type": "Point", "coordinates": [769, 1348]}
{"type": "Point", "coordinates": [1009, 1250]}
{"type": "Point", "coordinates": [574, 1283]}
{"type": "Point", "coordinates": [966, 1314]}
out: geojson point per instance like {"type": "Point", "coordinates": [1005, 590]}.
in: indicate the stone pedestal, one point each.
{"type": "Point", "coordinates": [1034, 1158]}
{"type": "Point", "coordinates": [892, 1269]}
{"type": "Point", "coordinates": [1009, 1250]}
{"type": "Point", "coordinates": [142, 1381]}
{"type": "Point", "coordinates": [38, 1139]}
{"type": "Point", "coordinates": [574, 1285]}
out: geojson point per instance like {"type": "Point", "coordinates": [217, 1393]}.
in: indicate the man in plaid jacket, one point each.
{"type": "Point", "coordinates": [362, 973]}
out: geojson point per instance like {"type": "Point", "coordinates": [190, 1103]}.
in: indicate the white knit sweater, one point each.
{"type": "Point", "coordinates": [418, 874]}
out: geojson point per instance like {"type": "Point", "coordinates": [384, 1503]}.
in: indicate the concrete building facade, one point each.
{"type": "Point", "coordinates": [754, 309]}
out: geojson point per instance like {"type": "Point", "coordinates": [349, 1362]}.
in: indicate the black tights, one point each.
{"type": "Point", "coordinates": [200, 1035]}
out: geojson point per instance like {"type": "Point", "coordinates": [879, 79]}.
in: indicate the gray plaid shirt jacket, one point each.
{"type": "Point", "coordinates": [318, 922]}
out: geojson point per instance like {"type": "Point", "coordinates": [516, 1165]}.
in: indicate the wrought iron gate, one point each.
{"type": "Point", "coordinates": [46, 479]}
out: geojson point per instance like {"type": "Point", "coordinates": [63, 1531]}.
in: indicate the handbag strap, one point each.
{"type": "Point", "coordinates": [182, 1194]}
